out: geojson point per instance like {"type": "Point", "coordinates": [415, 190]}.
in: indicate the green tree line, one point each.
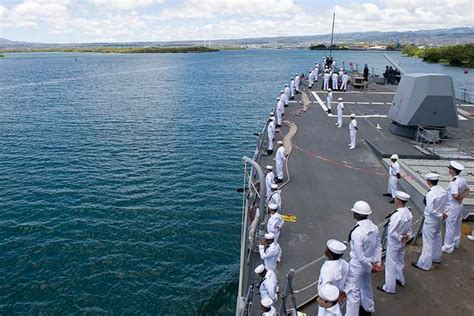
{"type": "Point", "coordinates": [455, 55]}
{"type": "Point", "coordinates": [121, 50]}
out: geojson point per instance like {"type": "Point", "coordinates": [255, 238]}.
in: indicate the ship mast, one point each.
{"type": "Point", "coordinates": [332, 35]}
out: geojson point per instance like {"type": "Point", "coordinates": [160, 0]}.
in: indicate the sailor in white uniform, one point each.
{"type": "Point", "coordinates": [270, 134]}
{"type": "Point", "coordinates": [353, 131]}
{"type": "Point", "coordinates": [269, 180]}
{"type": "Point", "coordinates": [287, 94]}
{"type": "Point", "coordinates": [435, 205]}
{"type": "Point", "coordinates": [282, 98]}
{"type": "Point", "coordinates": [366, 256]}
{"type": "Point", "coordinates": [334, 270]}
{"type": "Point", "coordinates": [316, 72]}
{"type": "Point", "coordinates": [393, 176]}
{"type": "Point", "coordinates": [335, 79]}
{"type": "Point", "coordinates": [292, 89]}
{"type": "Point", "coordinates": [269, 286]}
{"type": "Point", "coordinates": [326, 80]}
{"type": "Point", "coordinates": [310, 78]}
{"type": "Point", "coordinates": [398, 233]}
{"type": "Point", "coordinates": [457, 191]}
{"type": "Point", "coordinates": [345, 78]}
{"type": "Point", "coordinates": [327, 299]}
{"type": "Point", "coordinates": [270, 252]}
{"type": "Point", "coordinates": [280, 158]}
{"type": "Point", "coordinates": [329, 100]}
{"type": "Point", "coordinates": [279, 112]}
{"type": "Point", "coordinates": [340, 110]}
{"type": "Point", "coordinates": [341, 72]}
{"type": "Point", "coordinates": [297, 83]}
{"type": "Point", "coordinates": [275, 222]}
{"type": "Point", "coordinates": [275, 197]}
{"type": "Point", "coordinates": [267, 308]}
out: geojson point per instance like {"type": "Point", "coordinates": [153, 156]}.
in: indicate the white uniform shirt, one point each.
{"type": "Point", "coordinates": [366, 247]}
{"type": "Point", "coordinates": [329, 99]}
{"type": "Point", "coordinates": [335, 77]}
{"type": "Point", "coordinates": [270, 256]}
{"type": "Point", "coordinates": [280, 155]}
{"type": "Point", "coordinates": [271, 130]}
{"type": "Point", "coordinates": [331, 311]}
{"type": "Point", "coordinates": [292, 85]}
{"type": "Point", "coordinates": [341, 73]}
{"type": "Point", "coordinates": [394, 169]}
{"type": "Point", "coordinates": [269, 286]}
{"type": "Point", "coordinates": [353, 125]}
{"type": "Point", "coordinates": [287, 93]}
{"type": "Point", "coordinates": [400, 224]}
{"type": "Point", "coordinates": [297, 82]}
{"type": "Point", "coordinates": [436, 199]}
{"type": "Point", "coordinates": [333, 272]}
{"type": "Point", "coordinates": [340, 107]}
{"type": "Point", "coordinates": [281, 105]}
{"type": "Point", "coordinates": [269, 180]}
{"type": "Point", "coordinates": [316, 73]}
{"type": "Point", "coordinates": [345, 77]}
{"type": "Point", "coordinates": [457, 185]}
{"type": "Point", "coordinates": [275, 223]}
{"type": "Point", "coordinates": [326, 76]}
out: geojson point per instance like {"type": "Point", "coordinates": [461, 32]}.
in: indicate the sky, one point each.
{"type": "Point", "coordinates": [66, 21]}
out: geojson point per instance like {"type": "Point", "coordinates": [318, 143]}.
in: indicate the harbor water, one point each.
{"type": "Point", "coordinates": [118, 174]}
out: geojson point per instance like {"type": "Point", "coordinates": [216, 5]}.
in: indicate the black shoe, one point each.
{"type": "Point", "coordinates": [380, 288]}
{"type": "Point", "coordinates": [286, 105]}
{"type": "Point", "coordinates": [400, 283]}
{"type": "Point", "coordinates": [437, 262]}
{"type": "Point", "coordinates": [278, 180]}
{"type": "Point", "coordinates": [269, 152]}
{"type": "Point", "coordinates": [392, 201]}
{"type": "Point", "coordinates": [363, 312]}
{"type": "Point", "coordinates": [415, 265]}
{"type": "Point", "coordinates": [387, 194]}
{"type": "Point", "coordinates": [329, 111]}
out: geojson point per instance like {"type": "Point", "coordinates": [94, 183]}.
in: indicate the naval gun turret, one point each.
{"type": "Point", "coordinates": [423, 99]}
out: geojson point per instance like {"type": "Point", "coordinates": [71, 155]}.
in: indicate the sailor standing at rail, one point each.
{"type": "Point", "coordinates": [268, 287]}
{"type": "Point", "coordinates": [435, 205]}
{"type": "Point", "coordinates": [283, 100]}
{"type": "Point", "coordinates": [393, 176]}
{"type": "Point", "coordinates": [334, 270]}
{"type": "Point", "coordinates": [316, 72]}
{"type": "Point", "coordinates": [267, 308]}
{"type": "Point", "coordinates": [457, 192]}
{"type": "Point", "coordinates": [345, 79]}
{"type": "Point", "coordinates": [341, 72]}
{"type": "Point", "coordinates": [269, 180]}
{"type": "Point", "coordinates": [297, 83]}
{"type": "Point", "coordinates": [275, 222]}
{"type": "Point", "coordinates": [270, 134]}
{"type": "Point", "coordinates": [279, 112]}
{"type": "Point", "coordinates": [335, 80]}
{"type": "Point", "coordinates": [398, 233]}
{"type": "Point", "coordinates": [275, 197]}
{"type": "Point", "coordinates": [280, 158]}
{"type": "Point", "coordinates": [287, 94]}
{"type": "Point", "coordinates": [326, 77]}
{"type": "Point", "coordinates": [366, 256]}
{"type": "Point", "coordinates": [292, 89]}
{"type": "Point", "coordinates": [310, 78]}
{"type": "Point", "coordinates": [329, 100]}
{"type": "Point", "coordinates": [340, 110]}
{"type": "Point", "coordinates": [270, 252]}
{"type": "Point", "coordinates": [353, 131]}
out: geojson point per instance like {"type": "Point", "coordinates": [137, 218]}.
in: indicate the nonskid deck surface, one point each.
{"type": "Point", "coordinates": [327, 178]}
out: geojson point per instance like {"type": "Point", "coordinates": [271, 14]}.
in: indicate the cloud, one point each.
{"type": "Point", "coordinates": [3, 11]}
{"type": "Point", "coordinates": [32, 12]}
{"type": "Point", "coordinates": [124, 4]}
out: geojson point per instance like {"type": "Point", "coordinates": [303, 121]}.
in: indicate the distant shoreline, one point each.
{"type": "Point", "coordinates": [119, 50]}
{"type": "Point", "coordinates": [454, 55]}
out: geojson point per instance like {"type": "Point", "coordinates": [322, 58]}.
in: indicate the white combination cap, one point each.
{"type": "Point", "coordinates": [456, 165]}
{"type": "Point", "coordinates": [402, 196]}
{"type": "Point", "coordinates": [269, 167]}
{"type": "Point", "coordinates": [280, 142]}
{"type": "Point", "coordinates": [272, 206]}
{"type": "Point", "coordinates": [394, 156]}
{"type": "Point", "coordinates": [339, 99]}
{"type": "Point", "coordinates": [329, 292]}
{"type": "Point", "coordinates": [266, 302]}
{"type": "Point", "coordinates": [353, 115]}
{"type": "Point", "coordinates": [362, 208]}
{"type": "Point", "coordinates": [269, 236]}
{"type": "Point", "coordinates": [336, 246]}
{"type": "Point", "coordinates": [259, 269]}
{"type": "Point", "coordinates": [432, 176]}
{"type": "Point", "coordinates": [274, 186]}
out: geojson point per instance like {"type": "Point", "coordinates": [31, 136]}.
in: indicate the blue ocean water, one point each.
{"type": "Point", "coordinates": [118, 176]}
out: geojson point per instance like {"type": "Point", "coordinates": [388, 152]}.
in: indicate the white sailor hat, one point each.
{"type": "Point", "coordinates": [328, 292]}
{"type": "Point", "coordinates": [272, 118]}
{"type": "Point", "coordinates": [259, 269]}
{"type": "Point", "coordinates": [280, 142]}
{"type": "Point", "coordinates": [340, 69]}
{"type": "Point", "coordinates": [286, 85]}
{"type": "Point", "coordinates": [272, 114]}
{"type": "Point", "coordinates": [329, 89]}
{"type": "Point", "coordinates": [272, 206]}
{"type": "Point", "coordinates": [394, 156]}
{"type": "Point", "coordinates": [281, 91]}
{"type": "Point", "coordinates": [268, 167]}
{"type": "Point", "coordinates": [456, 165]}
{"type": "Point", "coordinates": [269, 236]}
{"type": "Point", "coordinates": [432, 176]}
{"type": "Point", "coordinates": [402, 196]}
{"type": "Point", "coordinates": [266, 302]}
{"type": "Point", "coordinates": [339, 99]}
{"type": "Point", "coordinates": [353, 115]}
{"type": "Point", "coordinates": [336, 246]}
{"type": "Point", "coordinates": [278, 98]}
{"type": "Point", "coordinates": [274, 186]}
{"type": "Point", "coordinates": [296, 74]}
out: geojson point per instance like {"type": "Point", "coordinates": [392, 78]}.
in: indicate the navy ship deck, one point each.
{"type": "Point", "coordinates": [327, 178]}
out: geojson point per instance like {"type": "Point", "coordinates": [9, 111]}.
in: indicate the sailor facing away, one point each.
{"type": "Point", "coordinates": [435, 205]}
{"type": "Point", "coordinates": [326, 77]}
{"type": "Point", "coordinates": [335, 79]}
{"type": "Point", "coordinates": [292, 89]}
{"type": "Point", "coordinates": [393, 176]}
{"type": "Point", "coordinates": [329, 100]}
{"type": "Point", "coordinates": [280, 158]}
{"type": "Point", "coordinates": [279, 112]}
{"type": "Point", "coordinates": [266, 307]}
{"type": "Point", "coordinates": [340, 110]}
{"type": "Point", "coordinates": [345, 79]}
{"type": "Point", "coordinates": [269, 180]}
{"type": "Point", "coordinates": [341, 72]}
{"type": "Point", "coordinates": [366, 256]}
{"type": "Point", "coordinates": [282, 98]}
{"type": "Point", "coordinates": [310, 78]}
{"type": "Point", "coordinates": [398, 233]}
{"type": "Point", "coordinates": [353, 131]}
{"type": "Point", "coordinates": [270, 134]}
{"type": "Point", "coordinates": [297, 83]}
{"type": "Point", "coordinates": [316, 72]}
{"type": "Point", "coordinates": [275, 197]}
{"type": "Point", "coordinates": [334, 270]}
{"type": "Point", "coordinates": [457, 191]}
{"type": "Point", "coordinates": [287, 94]}
{"type": "Point", "coordinates": [270, 252]}
{"type": "Point", "coordinates": [275, 222]}
{"type": "Point", "coordinates": [327, 299]}
{"type": "Point", "coordinates": [269, 286]}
